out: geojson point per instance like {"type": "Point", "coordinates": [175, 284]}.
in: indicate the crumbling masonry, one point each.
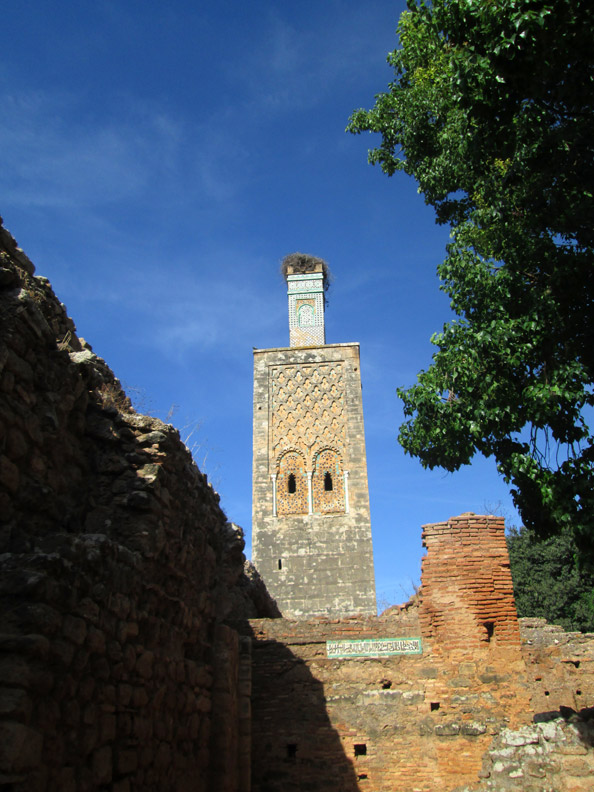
{"type": "Point", "coordinates": [137, 652]}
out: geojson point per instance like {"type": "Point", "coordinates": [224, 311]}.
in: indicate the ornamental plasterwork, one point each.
{"type": "Point", "coordinates": [307, 409]}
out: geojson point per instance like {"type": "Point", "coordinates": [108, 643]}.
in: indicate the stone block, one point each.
{"type": "Point", "coordinates": [127, 761]}
{"type": "Point", "coordinates": [20, 747]}
{"type": "Point", "coordinates": [15, 704]}
{"type": "Point", "coordinates": [74, 629]}
{"type": "Point", "coordinates": [102, 765]}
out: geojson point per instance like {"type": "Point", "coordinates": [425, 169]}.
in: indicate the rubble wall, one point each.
{"type": "Point", "coordinates": [481, 709]}
{"type": "Point", "coordinates": [126, 658]}
{"type": "Point", "coordinates": [117, 570]}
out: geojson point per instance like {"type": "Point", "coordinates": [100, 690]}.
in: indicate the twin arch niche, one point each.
{"type": "Point", "coordinates": [322, 490]}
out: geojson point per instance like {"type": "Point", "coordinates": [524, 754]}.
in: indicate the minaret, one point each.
{"type": "Point", "coordinates": [311, 525]}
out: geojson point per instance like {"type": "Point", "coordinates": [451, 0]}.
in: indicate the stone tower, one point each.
{"type": "Point", "coordinates": [311, 523]}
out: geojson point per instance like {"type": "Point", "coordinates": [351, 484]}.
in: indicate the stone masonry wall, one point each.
{"type": "Point", "coordinates": [117, 569]}
{"type": "Point", "coordinates": [478, 710]}
{"type": "Point", "coordinates": [554, 752]}
{"type": "Point", "coordinates": [409, 722]}
{"type": "Point", "coordinates": [127, 663]}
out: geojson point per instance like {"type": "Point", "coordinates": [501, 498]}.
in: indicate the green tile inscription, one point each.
{"type": "Point", "coordinates": [373, 647]}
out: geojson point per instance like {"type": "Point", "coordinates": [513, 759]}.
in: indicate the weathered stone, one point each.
{"type": "Point", "coordinates": [96, 641]}
{"type": "Point", "coordinates": [66, 779]}
{"type": "Point", "coordinates": [71, 712]}
{"type": "Point", "coordinates": [107, 726]}
{"type": "Point", "coordinates": [102, 765]}
{"type": "Point", "coordinates": [144, 665]}
{"type": "Point", "coordinates": [31, 645]}
{"type": "Point", "coordinates": [8, 277]}
{"type": "Point", "coordinates": [447, 729]}
{"type": "Point", "coordinates": [151, 438]}
{"type": "Point", "coordinates": [9, 474]}
{"type": "Point", "coordinates": [127, 762]}
{"type": "Point", "coordinates": [15, 703]}
{"type": "Point", "coordinates": [74, 629]}
{"type": "Point", "coordinates": [82, 357]}
{"type": "Point", "coordinates": [101, 428]}
{"type": "Point", "coordinates": [473, 729]}
{"type": "Point", "coordinates": [139, 697]}
{"type": "Point", "coordinates": [124, 694]}
{"type": "Point", "coordinates": [20, 747]}
{"type": "Point", "coordinates": [15, 670]}
{"type": "Point", "coordinates": [522, 737]}
{"type": "Point", "coordinates": [138, 500]}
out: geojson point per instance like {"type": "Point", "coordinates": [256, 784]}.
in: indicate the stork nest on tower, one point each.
{"type": "Point", "coordinates": [302, 263]}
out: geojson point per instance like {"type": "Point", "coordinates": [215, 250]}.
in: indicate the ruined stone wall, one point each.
{"type": "Point", "coordinates": [123, 666]}
{"type": "Point", "coordinates": [117, 568]}
{"type": "Point", "coordinates": [478, 710]}
{"type": "Point", "coordinates": [421, 722]}
{"type": "Point", "coordinates": [553, 751]}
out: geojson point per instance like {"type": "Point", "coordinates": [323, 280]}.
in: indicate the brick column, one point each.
{"type": "Point", "coordinates": [467, 599]}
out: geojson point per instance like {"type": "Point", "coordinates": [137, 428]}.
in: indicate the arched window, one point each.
{"type": "Point", "coordinates": [291, 485]}
{"type": "Point", "coordinates": [327, 483]}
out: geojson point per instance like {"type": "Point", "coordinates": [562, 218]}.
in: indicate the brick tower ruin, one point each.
{"type": "Point", "coordinates": [311, 523]}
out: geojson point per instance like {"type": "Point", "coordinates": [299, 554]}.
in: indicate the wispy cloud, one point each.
{"type": "Point", "coordinates": [212, 304]}
{"type": "Point", "coordinates": [56, 154]}
{"type": "Point", "coordinates": [292, 69]}
{"type": "Point", "coordinates": [50, 159]}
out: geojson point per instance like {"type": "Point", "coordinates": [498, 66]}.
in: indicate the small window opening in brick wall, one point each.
{"type": "Point", "coordinates": [386, 684]}
{"type": "Point", "coordinates": [546, 692]}
{"type": "Point", "coordinates": [328, 486]}
{"type": "Point", "coordinates": [578, 692]}
{"type": "Point", "coordinates": [291, 484]}
{"type": "Point", "coordinates": [360, 749]}
{"type": "Point", "coordinates": [291, 750]}
{"type": "Point", "coordinates": [576, 663]}
{"type": "Point", "coordinates": [490, 630]}
{"type": "Point", "coordinates": [362, 777]}
{"type": "Point", "coordinates": [434, 706]}
{"type": "Point", "coordinates": [280, 563]}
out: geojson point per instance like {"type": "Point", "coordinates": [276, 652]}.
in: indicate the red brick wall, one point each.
{"type": "Point", "coordinates": [467, 593]}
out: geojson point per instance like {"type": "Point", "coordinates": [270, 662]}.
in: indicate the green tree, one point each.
{"type": "Point", "coordinates": [548, 582]}
{"type": "Point", "coordinates": [492, 111]}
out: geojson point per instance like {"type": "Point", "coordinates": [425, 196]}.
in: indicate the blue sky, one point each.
{"type": "Point", "coordinates": [159, 160]}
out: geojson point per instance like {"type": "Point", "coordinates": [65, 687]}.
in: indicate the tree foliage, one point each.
{"type": "Point", "coordinates": [492, 111]}
{"type": "Point", "coordinates": [548, 581]}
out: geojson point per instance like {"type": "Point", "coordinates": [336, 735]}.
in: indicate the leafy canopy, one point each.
{"type": "Point", "coordinates": [548, 582]}
{"type": "Point", "coordinates": [492, 111]}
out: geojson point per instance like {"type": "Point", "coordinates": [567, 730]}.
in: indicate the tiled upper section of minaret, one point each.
{"type": "Point", "coordinates": [306, 307]}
